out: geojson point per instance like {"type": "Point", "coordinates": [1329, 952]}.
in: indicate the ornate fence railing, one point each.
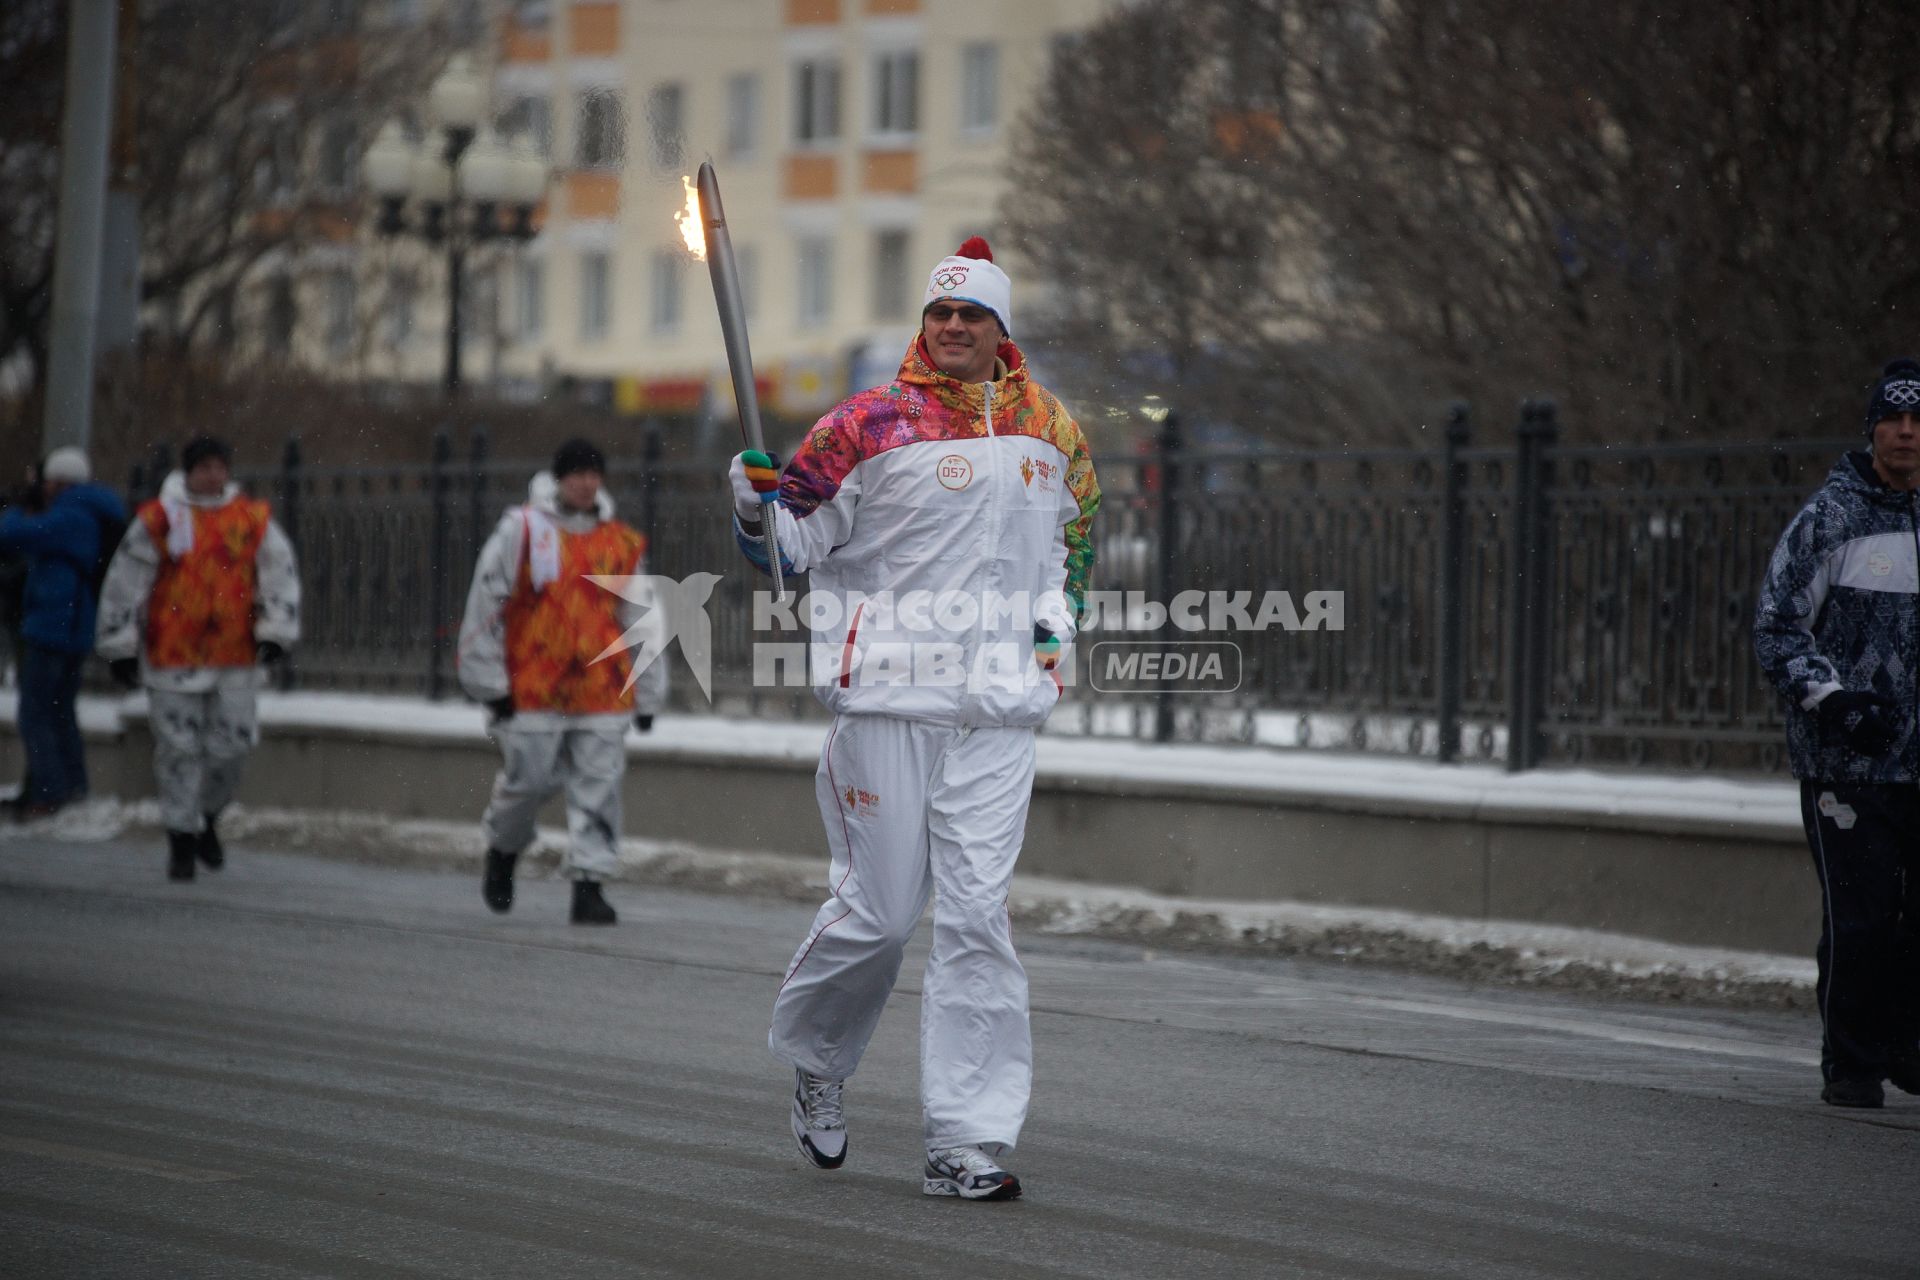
{"type": "Point", "coordinates": [1526, 603]}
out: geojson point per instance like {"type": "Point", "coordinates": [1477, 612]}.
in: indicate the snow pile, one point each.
{"type": "Point", "coordinates": [1477, 950]}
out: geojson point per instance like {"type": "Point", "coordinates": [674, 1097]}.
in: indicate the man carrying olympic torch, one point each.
{"type": "Point", "coordinates": [961, 476]}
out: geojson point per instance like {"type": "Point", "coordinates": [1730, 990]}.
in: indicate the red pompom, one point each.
{"type": "Point", "coordinates": [975, 247]}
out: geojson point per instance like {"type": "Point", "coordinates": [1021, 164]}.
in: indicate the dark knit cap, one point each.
{"type": "Point", "coordinates": [1897, 392]}
{"type": "Point", "coordinates": [200, 448]}
{"type": "Point", "coordinates": [578, 455]}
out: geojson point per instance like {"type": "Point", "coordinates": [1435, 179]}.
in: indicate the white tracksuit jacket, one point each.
{"type": "Point", "coordinates": [903, 493]}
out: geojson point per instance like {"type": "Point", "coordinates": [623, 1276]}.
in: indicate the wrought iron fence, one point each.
{"type": "Point", "coordinates": [1525, 603]}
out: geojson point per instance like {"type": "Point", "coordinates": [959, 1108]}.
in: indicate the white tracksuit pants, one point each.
{"type": "Point", "coordinates": [914, 809]}
{"type": "Point", "coordinates": [201, 741]}
{"type": "Point", "coordinates": [586, 757]}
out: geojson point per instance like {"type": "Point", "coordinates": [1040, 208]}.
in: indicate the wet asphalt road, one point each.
{"type": "Point", "coordinates": [308, 1068]}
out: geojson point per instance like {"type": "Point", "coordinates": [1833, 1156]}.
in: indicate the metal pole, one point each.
{"type": "Point", "coordinates": [477, 494]}
{"type": "Point", "coordinates": [290, 463]}
{"type": "Point", "coordinates": [1453, 542]}
{"type": "Point", "coordinates": [456, 269]}
{"type": "Point", "coordinates": [1527, 667]}
{"type": "Point", "coordinates": [83, 179]}
{"type": "Point", "coordinates": [1169, 448]}
{"type": "Point", "coordinates": [437, 567]}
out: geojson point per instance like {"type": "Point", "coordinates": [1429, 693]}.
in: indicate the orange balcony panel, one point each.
{"type": "Point", "coordinates": [593, 195]}
{"type": "Point", "coordinates": [812, 178]}
{"type": "Point", "coordinates": [526, 44]}
{"type": "Point", "coordinates": [884, 8]}
{"type": "Point", "coordinates": [1243, 134]}
{"type": "Point", "coordinates": [891, 173]}
{"type": "Point", "coordinates": [812, 13]}
{"type": "Point", "coordinates": [595, 29]}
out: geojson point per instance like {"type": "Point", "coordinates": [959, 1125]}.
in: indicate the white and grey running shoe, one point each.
{"type": "Point", "coordinates": [819, 1126]}
{"type": "Point", "coordinates": [970, 1173]}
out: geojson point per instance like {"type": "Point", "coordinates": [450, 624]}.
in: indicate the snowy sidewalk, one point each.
{"type": "Point", "coordinates": [1668, 803]}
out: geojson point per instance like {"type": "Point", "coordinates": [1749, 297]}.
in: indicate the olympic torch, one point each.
{"type": "Point", "coordinates": [733, 327]}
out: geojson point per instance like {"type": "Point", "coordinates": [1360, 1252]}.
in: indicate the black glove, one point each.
{"type": "Point", "coordinates": [643, 721]}
{"type": "Point", "coordinates": [1866, 720]}
{"type": "Point", "coordinates": [502, 709]}
{"type": "Point", "coordinates": [125, 672]}
{"type": "Point", "coordinates": [270, 651]}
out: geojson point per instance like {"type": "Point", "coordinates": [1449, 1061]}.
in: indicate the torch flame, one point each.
{"type": "Point", "coordinates": [688, 220]}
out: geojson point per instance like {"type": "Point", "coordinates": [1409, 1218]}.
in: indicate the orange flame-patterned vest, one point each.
{"type": "Point", "coordinates": [201, 611]}
{"type": "Point", "coordinates": [554, 634]}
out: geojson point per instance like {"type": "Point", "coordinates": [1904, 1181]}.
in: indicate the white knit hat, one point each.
{"type": "Point", "coordinates": [67, 466]}
{"type": "Point", "coordinates": [970, 275]}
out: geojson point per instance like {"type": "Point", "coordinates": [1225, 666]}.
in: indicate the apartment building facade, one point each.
{"type": "Point", "coordinates": [857, 142]}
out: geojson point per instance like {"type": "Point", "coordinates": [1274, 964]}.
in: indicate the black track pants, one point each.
{"type": "Point", "coordinates": [1865, 840]}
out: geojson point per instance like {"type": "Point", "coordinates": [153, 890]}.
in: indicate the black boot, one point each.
{"type": "Point", "coordinates": [497, 888]}
{"type": "Point", "coordinates": [590, 906]}
{"type": "Point", "coordinates": [209, 850]}
{"type": "Point", "coordinates": [180, 850]}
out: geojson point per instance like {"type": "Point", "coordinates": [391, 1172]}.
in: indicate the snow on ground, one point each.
{"type": "Point", "coordinates": [1479, 950]}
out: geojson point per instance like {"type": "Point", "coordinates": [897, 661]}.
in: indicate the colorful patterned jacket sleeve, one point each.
{"type": "Point", "coordinates": [481, 655]}
{"type": "Point", "coordinates": [276, 597]}
{"type": "Point", "coordinates": [818, 493]}
{"type": "Point", "coordinates": [1080, 500]}
{"type": "Point", "coordinates": [121, 624]}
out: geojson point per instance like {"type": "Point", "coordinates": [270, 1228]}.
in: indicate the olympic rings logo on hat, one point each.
{"type": "Point", "coordinates": [950, 277]}
{"type": "Point", "coordinates": [1904, 394]}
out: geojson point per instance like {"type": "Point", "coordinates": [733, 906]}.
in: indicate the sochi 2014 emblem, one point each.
{"type": "Point", "coordinates": [950, 278]}
{"type": "Point", "coordinates": [1904, 394]}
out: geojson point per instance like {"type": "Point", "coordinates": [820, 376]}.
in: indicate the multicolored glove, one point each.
{"type": "Point", "coordinates": [755, 477]}
{"type": "Point", "coordinates": [1046, 646]}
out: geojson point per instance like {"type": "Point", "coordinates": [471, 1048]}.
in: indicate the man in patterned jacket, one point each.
{"type": "Point", "coordinates": [1838, 632]}
{"type": "Point", "coordinates": [203, 586]}
{"type": "Point", "coordinates": [550, 654]}
{"type": "Point", "coordinates": [962, 482]}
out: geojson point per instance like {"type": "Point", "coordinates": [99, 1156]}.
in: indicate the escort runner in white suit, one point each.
{"type": "Point", "coordinates": [550, 652]}
{"type": "Point", "coordinates": [949, 511]}
{"type": "Point", "coordinates": [203, 587]}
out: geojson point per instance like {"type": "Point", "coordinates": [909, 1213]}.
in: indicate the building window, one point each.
{"type": "Point", "coordinates": [666, 124]}
{"type": "Point", "coordinates": [335, 167]}
{"type": "Point", "coordinates": [283, 316]}
{"type": "Point", "coordinates": [892, 276]}
{"type": "Point", "coordinates": [532, 117]}
{"type": "Point", "coordinates": [530, 298]}
{"type": "Point", "coordinates": [596, 295]}
{"type": "Point", "coordinates": [979, 88]}
{"type": "Point", "coordinates": [600, 141]}
{"type": "Point", "coordinates": [896, 94]}
{"type": "Point", "coordinates": [339, 312]}
{"type": "Point", "coordinates": [743, 114]}
{"type": "Point", "coordinates": [665, 294]}
{"type": "Point", "coordinates": [397, 317]}
{"type": "Point", "coordinates": [815, 261]}
{"type": "Point", "coordinates": [816, 106]}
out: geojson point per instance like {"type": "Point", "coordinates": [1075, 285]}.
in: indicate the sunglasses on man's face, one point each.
{"type": "Point", "coordinates": [968, 315]}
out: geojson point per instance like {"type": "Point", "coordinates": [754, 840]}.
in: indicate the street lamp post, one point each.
{"type": "Point", "coordinates": [456, 194]}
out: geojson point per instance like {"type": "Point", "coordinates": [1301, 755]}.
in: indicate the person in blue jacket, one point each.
{"type": "Point", "coordinates": [63, 545]}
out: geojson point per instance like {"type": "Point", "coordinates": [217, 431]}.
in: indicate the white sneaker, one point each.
{"type": "Point", "coordinates": [970, 1173]}
{"type": "Point", "coordinates": [819, 1126]}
